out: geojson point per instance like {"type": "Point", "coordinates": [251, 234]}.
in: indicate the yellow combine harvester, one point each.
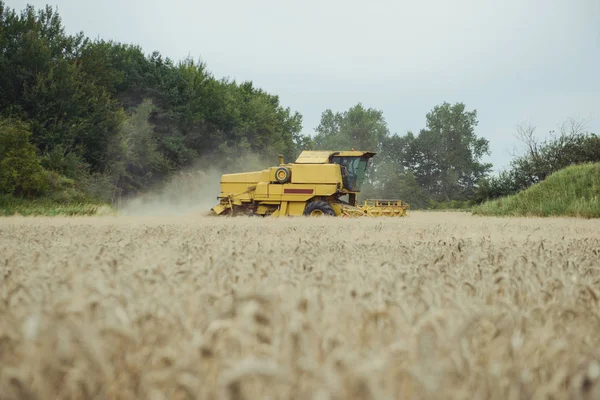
{"type": "Point", "coordinates": [314, 185]}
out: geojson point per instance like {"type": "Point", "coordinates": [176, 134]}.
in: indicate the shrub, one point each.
{"type": "Point", "coordinates": [21, 172]}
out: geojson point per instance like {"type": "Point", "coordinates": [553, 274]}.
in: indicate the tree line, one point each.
{"type": "Point", "coordinates": [112, 120]}
{"type": "Point", "coordinates": [84, 119]}
{"type": "Point", "coordinates": [441, 167]}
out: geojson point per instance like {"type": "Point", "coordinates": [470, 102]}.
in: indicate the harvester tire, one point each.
{"type": "Point", "coordinates": [319, 208]}
{"type": "Point", "coordinates": [283, 174]}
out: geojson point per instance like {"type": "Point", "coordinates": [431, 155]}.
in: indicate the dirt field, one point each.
{"type": "Point", "coordinates": [433, 306]}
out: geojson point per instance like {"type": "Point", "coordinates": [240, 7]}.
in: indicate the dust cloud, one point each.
{"type": "Point", "coordinates": [187, 192]}
{"type": "Point", "coordinates": [193, 191]}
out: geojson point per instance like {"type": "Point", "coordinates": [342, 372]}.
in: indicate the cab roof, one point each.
{"type": "Point", "coordinates": [323, 156]}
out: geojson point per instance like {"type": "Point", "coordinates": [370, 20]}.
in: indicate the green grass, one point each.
{"type": "Point", "coordinates": [10, 205]}
{"type": "Point", "coordinates": [570, 192]}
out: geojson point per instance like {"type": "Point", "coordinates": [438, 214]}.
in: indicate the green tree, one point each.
{"type": "Point", "coordinates": [358, 127]}
{"type": "Point", "coordinates": [84, 103]}
{"type": "Point", "coordinates": [31, 43]}
{"type": "Point", "coordinates": [446, 156]}
{"type": "Point", "coordinates": [390, 175]}
{"type": "Point", "coordinates": [21, 173]}
{"type": "Point", "coordinates": [42, 83]}
{"type": "Point", "coordinates": [137, 160]}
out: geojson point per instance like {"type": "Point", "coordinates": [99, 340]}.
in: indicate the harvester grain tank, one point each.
{"type": "Point", "coordinates": [318, 183]}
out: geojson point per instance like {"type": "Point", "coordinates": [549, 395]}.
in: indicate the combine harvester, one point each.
{"type": "Point", "coordinates": [313, 185]}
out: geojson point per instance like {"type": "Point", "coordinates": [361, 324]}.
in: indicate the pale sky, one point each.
{"type": "Point", "coordinates": [514, 61]}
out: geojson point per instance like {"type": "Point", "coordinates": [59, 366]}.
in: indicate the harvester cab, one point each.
{"type": "Point", "coordinates": [312, 185]}
{"type": "Point", "coordinates": [353, 170]}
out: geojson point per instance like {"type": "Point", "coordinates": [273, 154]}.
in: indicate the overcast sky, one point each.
{"type": "Point", "coordinates": [514, 60]}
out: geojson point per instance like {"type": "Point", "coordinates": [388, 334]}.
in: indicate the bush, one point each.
{"type": "Point", "coordinates": [21, 172]}
{"type": "Point", "coordinates": [449, 205]}
{"type": "Point", "coordinates": [10, 205]}
{"type": "Point", "coordinates": [63, 190]}
{"type": "Point", "coordinates": [572, 147]}
{"type": "Point", "coordinates": [573, 191]}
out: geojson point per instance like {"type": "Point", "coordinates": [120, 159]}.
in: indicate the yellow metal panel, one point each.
{"type": "Point", "coordinates": [219, 208]}
{"type": "Point", "coordinates": [325, 190]}
{"type": "Point", "coordinates": [299, 192]}
{"type": "Point", "coordinates": [318, 157]}
{"type": "Point", "coordinates": [354, 153]}
{"type": "Point", "coordinates": [275, 191]}
{"type": "Point", "coordinates": [337, 208]}
{"type": "Point", "coordinates": [262, 191]}
{"type": "Point", "coordinates": [255, 176]}
{"type": "Point", "coordinates": [261, 210]}
{"type": "Point", "coordinates": [322, 156]}
{"type": "Point", "coordinates": [293, 192]}
{"type": "Point", "coordinates": [283, 208]}
{"type": "Point", "coordinates": [239, 191]}
{"type": "Point", "coordinates": [316, 173]}
{"type": "Point", "coordinates": [296, 208]}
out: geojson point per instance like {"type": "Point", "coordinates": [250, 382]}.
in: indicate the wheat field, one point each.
{"type": "Point", "coordinates": [432, 306]}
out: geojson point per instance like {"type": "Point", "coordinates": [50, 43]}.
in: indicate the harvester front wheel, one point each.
{"type": "Point", "coordinates": [319, 208]}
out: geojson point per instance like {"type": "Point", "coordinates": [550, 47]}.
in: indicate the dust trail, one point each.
{"type": "Point", "coordinates": [187, 192]}
{"type": "Point", "coordinates": [192, 191]}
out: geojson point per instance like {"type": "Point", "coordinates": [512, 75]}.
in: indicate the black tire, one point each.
{"type": "Point", "coordinates": [319, 205]}
{"type": "Point", "coordinates": [285, 173]}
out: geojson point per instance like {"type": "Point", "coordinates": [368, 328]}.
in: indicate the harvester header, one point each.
{"type": "Point", "coordinates": [317, 183]}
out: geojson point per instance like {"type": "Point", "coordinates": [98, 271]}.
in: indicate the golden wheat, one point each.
{"type": "Point", "coordinates": [433, 306]}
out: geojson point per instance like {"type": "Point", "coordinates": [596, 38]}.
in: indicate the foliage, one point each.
{"type": "Point", "coordinates": [107, 122]}
{"type": "Point", "coordinates": [441, 164]}
{"type": "Point", "coordinates": [10, 205]}
{"type": "Point", "coordinates": [572, 191]}
{"type": "Point", "coordinates": [136, 157]}
{"type": "Point", "coordinates": [445, 156]}
{"type": "Point", "coordinates": [454, 205]}
{"type": "Point", "coordinates": [21, 172]}
{"type": "Point", "coordinates": [106, 115]}
{"type": "Point", "coordinates": [359, 127]}
{"type": "Point", "coordinates": [571, 147]}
